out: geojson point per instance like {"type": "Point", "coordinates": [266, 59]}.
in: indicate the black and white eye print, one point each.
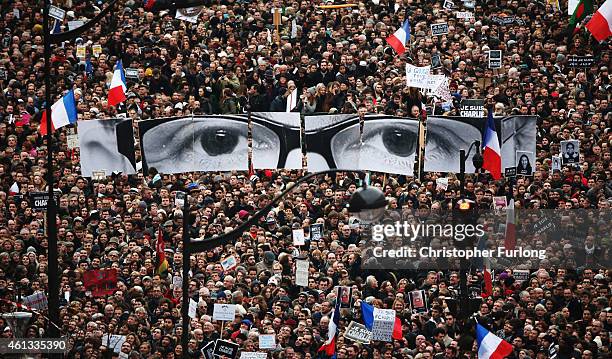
{"type": "Point", "coordinates": [177, 145]}
{"type": "Point", "coordinates": [106, 145]}
{"type": "Point", "coordinates": [276, 140]}
{"type": "Point", "coordinates": [518, 133]}
{"type": "Point", "coordinates": [332, 141]}
{"type": "Point", "coordinates": [445, 138]}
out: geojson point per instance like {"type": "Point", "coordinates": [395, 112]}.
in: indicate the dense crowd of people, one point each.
{"type": "Point", "coordinates": [340, 63]}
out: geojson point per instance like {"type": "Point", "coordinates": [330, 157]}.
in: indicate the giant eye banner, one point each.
{"type": "Point", "coordinates": [344, 141]}
{"type": "Point", "coordinates": [187, 144]}
{"type": "Point", "coordinates": [106, 145]}
{"type": "Point", "coordinates": [446, 136]}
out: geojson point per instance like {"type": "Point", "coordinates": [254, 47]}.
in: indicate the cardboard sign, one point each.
{"type": "Point", "coordinates": [473, 108]}
{"type": "Point", "coordinates": [131, 73]}
{"type": "Point", "coordinates": [208, 350]}
{"type": "Point", "coordinates": [301, 272]}
{"type": "Point", "coordinates": [580, 61]}
{"type": "Point", "coordinates": [495, 59]}
{"type": "Point", "coordinates": [298, 237]}
{"type": "Point", "coordinates": [37, 300]}
{"type": "Point", "coordinates": [193, 308]}
{"type": "Point", "coordinates": [253, 355]}
{"type": "Point", "coordinates": [384, 321]}
{"type": "Point", "coordinates": [466, 15]}
{"type": "Point", "coordinates": [228, 263]}
{"type": "Point", "coordinates": [97, 50]}
{"type": "Point", "coordinates": [38, 200]}
{"type": "Point", "coordinates": [415, 76]}
{"type": "Point", "coordinates": [57, 13]}
{"type": "Point", "coordinates": [224, 348]}
{"type": "Point", "coordinates": [101, 282]}
{"type": "Point", "coordinates": [358, 333]}
{"type": "Point", "coordinates": [113, 341]}
{"type": "Point", "coordinates": [418, 301]}
{"type": "Point", "coordinates": [267, 341]}
{"type": "Point", "coordinates": [72, 141]}
{"type": "Point", "coordinates": [439, 29]}
{"type": "Point", "coordinates": [316, 232]}
{"type": "Point", "coordinates": [224, 312]}
{"type": "Point", "coordinates": [520, 275]}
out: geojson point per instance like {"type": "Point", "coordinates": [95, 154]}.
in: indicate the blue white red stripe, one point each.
{"type": "Point", "coordinates": [400, 38]}
{"type": "Point", "coordinates": [491, 346]}
{"type": "Point", "coordinates": [118, 87]}
{"type": "Point", "coordinates": [329, 347]}
{"type": "Point", "coordinates": [491, 154]}
{"type": "Point", "coordinates": [63, 113]}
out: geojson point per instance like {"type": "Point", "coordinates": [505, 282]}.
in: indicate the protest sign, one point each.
{"type": "Point", "coordinates": [37, 300]}
{"type": "Point", "coordinates": [495, 59]}
{"type": "Point", "coordinates": [267, 341]}
{"type": "Point", "coordinates": [228, 263]}
{"type": "Point", "coordinates": [570, 151]}
{"type": "Point", "coordinates": [442, 183]}
{"type": "Point", "coordinates": [57, 13]}
{"type": "Point", "coordinates": [435, 61]}
{"type": "Point", "coordinates": [316, 232]}
{"type": "Point", "coordinates": [358, 333]}
{"type": "Point", "coordinates": [507, 20]}
{"type": "Point", "coordinates": [544, 224]}
{"type": "Point", "coordinates": [253, 355]}
{"type": "Point", "coordinates": [344, 296]}
{"type": "Point", "coordinates": [96, 50]}
{"type": "Point", "coordinates": [473, 108]}
{"type": "Point", "coordinates": [555, 163]}
{"type": "Point", "coordinates": [113, 341]}
{"type": "Point", "coordinates": [499, 204]}
{"type": "Point", "coordinates": [131, 73]}
{"type": "Point", "coordinates": [193, 307]}
{"type": "Point", "coordinates": [418, 301]}
{"type": "Point", "coordinates": [101, 282]}
{"type": "Point", "coordinates": [384, 321]}
{"type": "Point", "coordinates": [298, 237]}
{"type": "Point", "coordinates": [416, 75]}
{"type": "Point", "coordinates": [510, 172]}
{"type": "Point", "coordinates": [75, 24]}
{"type": "Point", "coordinates": [208, 350]}
{"type": "Point", "coordinates": [224, 312]}
{"type": "Point", "coordinates": [72, 141]}
{"type": "Point", "coordinates": [466, 15]}
{"type": "Point", "coordinates": [525, 161]}
{"type": "Point", "coordinates": [177, 282]}
{"type": "Point", "coordinates": [225, 348]}
{"type": "Point", "coordinates": [301, 272]}
{"type": "Point", "coordinates": [179, 199]}
{"type": "Point", "coordinates": [39, 200]}
{"type": "Point", "coordinates": [520, 275]}
{"type": "Point", "coordinates": [580, 61]}
{"type": "Point", "coordinates": [448, 5]}
{"type": "Point", "coordinates": [81, 52]}
{"type": "Point", "coordinates": [439, 29]}
{"type": "Point", "coordinates": [98, 175]}
{"type": "Point", "coordinates": [189, 14]}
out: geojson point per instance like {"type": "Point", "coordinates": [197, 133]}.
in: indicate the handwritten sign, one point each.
{"type": "Point", "coordinates": [298, 237]}
{"type": "Point", "coordinates": [301, 272]}
{"type": "Point", "coordinates": [384, 321]}
{"type": "Point", "coordinates": [253, 355]}
{"type": "Point", "coordinates": [37, 300]}
{"type": "Point", "coordinates": [267, 341]}
{"type": "Point", "coordinates": [113, 341]}
{"type": "Point", "coordinates": [224, 312]}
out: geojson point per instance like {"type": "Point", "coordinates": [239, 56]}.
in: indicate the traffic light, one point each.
{"type": "Point", "coordinates": [158, 5]}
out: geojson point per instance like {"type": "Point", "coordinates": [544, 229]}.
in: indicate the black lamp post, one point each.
{"type": "Point", "coordinates": [368, 204]}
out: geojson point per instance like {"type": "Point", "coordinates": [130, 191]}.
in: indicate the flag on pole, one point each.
{"type": "Point", "coordinates": [491, 346]}
{"type": "Point", "coordinates": [583, 9]}
{"type": "Point", "coordinates": [491, 154]}
{"type": "Point", "coordinates": [118, 88]}
{"type": "Point", "coordinates": [160, 248]}
{"type": "Point", "coordinates": [510, 241]}
{"type": "Point", "coordinates": [601, 23]}
{"type": "Point", "coordinates": [400, 38]}
{"type": "Point", "coordinates": [329, 347]}
{"type": "Point", "coordinates": [292, 100]}
{"type": "Point", "coordinates": [63, 113]}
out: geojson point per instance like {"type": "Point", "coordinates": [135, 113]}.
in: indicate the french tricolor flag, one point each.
{"type": "Point", "coordinates": [118, 88]}
{"type": "Point", "coordinates": [63, 113]}
{"type": "Point", "coordinates": [491, 151]}
{"type": "Point", "coordinates": [329, 347]}
{"type": "Point", "coordinates": [491, 346]}
{"type": "Point", "coordinates": [400, 38]}
{"type": "Point", "coordinates": [367, 313]}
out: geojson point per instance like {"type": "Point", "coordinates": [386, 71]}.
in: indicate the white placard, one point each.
{"type": "Point", "coordinates": [267, 341]}
{"type": "Point", "coordinates": [225, 312]}
{"type": "Point", "coordinates": [193, 307]}
{"type": "Point", "coordinates": [442, 183]}
{"type": "Point", "coordinates": [177, 282]}
{"type": "Point", "coordinates": [57, 13]}
{"type": "Point", "coordinates": [98, 175]}
{"type": "Point", "coordinates": [301, 272]}
{"type": "Point", "coordinates": [228, 263]}
{"type": "Point", "coordinates": [37, 300]}
{"type": "Point", "coordinates": [75, 24]}
{"type": "Point", "coordinates": [298, 237]}
{"type": "Point", "coordinates": [466, 15]}
{"type": "Point", "coordinates": [189, 14]}
{"type": "Point", "coordinates": [253, 355]}
{"type": "Point", "coordinates": [384, 321]}
{"type": "Point", "coordinates": [73, 141]}
{"type": "Point", "coordinates": [96, 49]}
{"type": "Point", "coordinates": [416, 75]}
{"type": "Point", "coordinates": [113, 341]}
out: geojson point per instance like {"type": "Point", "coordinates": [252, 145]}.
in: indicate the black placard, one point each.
{"type": "Point", "coordinates": [38, 200]}
{"type": "Point", "coordinates": [439, 29]}
{"type": "Point", "coordinates": [473, 108]}
{"type": "Point", "coordinates": [208, 350]}
{"type": "Point", "coordinates": [508, 20]}
{"type": "Point", "coordinates": [316, 232]}
{"type": "Point", "coordinates": [224, 348]}
{"type": "Point", "coordinates": [580, 61]}
{"type": "Point", "coordinates": [510, 172]}
{"type": "Point", "coordinates": [495, 59]}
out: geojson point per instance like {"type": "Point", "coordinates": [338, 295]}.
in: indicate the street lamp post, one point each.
{"type": "Point", "coordinates": [367, 203]}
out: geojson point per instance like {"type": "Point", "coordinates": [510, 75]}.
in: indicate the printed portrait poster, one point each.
{"type": "Point", "coordinates": [570, 152]}
{"type": "Point", "coordinates": [555, 164]}
{"type": "Point", "coordinates": [525, 161]}
{"type": "Point", "coordinates": [344, 296]}
{"type": "Point", "coordinates": [418, 301]}
{"type": "Point", "coordinates": [500, 204]}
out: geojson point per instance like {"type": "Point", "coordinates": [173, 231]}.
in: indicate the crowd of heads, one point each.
{"type": "Point", "coordinates": [340, 63]}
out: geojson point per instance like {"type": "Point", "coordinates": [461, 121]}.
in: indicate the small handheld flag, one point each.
{"type": "Point", "coordinates": [491, 151]}
{"type": "Point", "coordinates": [63, 113]}
{"type": "Point", "coordinates": [118, 87]}
{"type": "Point", "coordinates": [400, 38]}
{"type": "Point", "coordinates": [491, 346]}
